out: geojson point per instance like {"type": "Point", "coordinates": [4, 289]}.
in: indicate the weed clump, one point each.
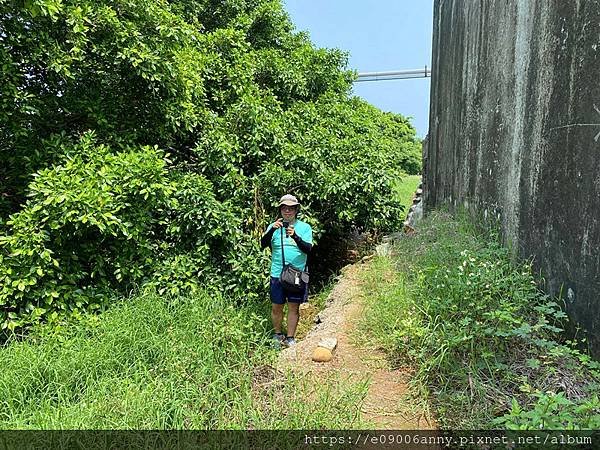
{"type": "Point", "coordinates": [488, 346]}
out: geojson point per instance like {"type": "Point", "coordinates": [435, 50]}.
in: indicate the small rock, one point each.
{"type": "Point", "coordinates": [367, 258]}
{"type": "Point", "coordinates": [329, 343]}
{"type": "Point", "coordinates": [419, 191]}
{"type": "Point", "coordinates": [322, 355]}
{"type": "Point", "coordinates": [417, 213]}
{"type": "Point", "coordinates": [383, 249]}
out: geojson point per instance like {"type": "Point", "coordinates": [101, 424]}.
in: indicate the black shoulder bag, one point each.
{"type": "Point", "coordinates": [292, 279]}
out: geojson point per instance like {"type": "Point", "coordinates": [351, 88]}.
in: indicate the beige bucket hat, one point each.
{"type": "Point", "coordinates": [288, 200]}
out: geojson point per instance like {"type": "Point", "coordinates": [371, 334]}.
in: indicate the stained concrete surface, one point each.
{"type": "Point", "coordinates": [514, 134]}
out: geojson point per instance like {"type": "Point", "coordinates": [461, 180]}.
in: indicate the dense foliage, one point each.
{"type": "Point", "coordinates": [145, 141]}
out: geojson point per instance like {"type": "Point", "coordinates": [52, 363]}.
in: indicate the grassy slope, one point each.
{"type": "Point", "coordinates": [405, 189]}
{"type": "Point", "coordinates": [151, 363]}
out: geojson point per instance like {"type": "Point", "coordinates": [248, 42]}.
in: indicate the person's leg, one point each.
{"type": "Point", "coordinates": [277, 317]}
{"type": "Point", "coordinates": [294, 302]}
{"type": "Point", "coordinates": [277, 302]}
{"type": "Point", "coordinates": [292, 318]}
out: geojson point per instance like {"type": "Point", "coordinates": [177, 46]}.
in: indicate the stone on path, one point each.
{"type": "Point", "coordinates": [322, 355]}
{"type": "Point", "coordinates": [383, 249]}
{"type": "Point", "coordinates": [329, 343]}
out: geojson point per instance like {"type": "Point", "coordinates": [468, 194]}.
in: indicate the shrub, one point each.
{"type": "Point", "coordinates": [85, 228]}
{"type": "Point", "coordinates": [553, 411]}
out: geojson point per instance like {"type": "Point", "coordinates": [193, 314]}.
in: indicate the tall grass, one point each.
{"type": "Point", "coordinates": [486, 344]}
{"type": "Point", "coordinates": [151, 363]}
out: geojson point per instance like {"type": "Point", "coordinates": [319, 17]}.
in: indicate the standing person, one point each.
{"type": "Point", "coordinates": [297, 244]}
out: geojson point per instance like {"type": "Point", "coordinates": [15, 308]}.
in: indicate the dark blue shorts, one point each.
{"type": "Point", "coordinates": [279, 295]}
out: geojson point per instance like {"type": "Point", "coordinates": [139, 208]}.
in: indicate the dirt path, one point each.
{"type": "Point", "coordinates": [388, 404]}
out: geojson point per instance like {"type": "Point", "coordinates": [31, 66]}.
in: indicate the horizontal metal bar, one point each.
{"type": "Point", "coordinates": [362, 80]}
{"type": "Point", "coordinates": [394, 75]}
{"type": "Point", "coordinates": [396, 72]}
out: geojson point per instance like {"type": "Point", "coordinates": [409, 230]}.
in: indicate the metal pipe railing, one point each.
{"type": "Point", "coordinates": [394, 75]}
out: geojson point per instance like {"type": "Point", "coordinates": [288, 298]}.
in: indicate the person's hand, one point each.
{"type": "Point", "coordinates": [290, 230]}
{"type": "Point", "coordinates": [278, 223]}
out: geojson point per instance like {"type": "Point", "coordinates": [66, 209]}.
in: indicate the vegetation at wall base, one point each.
{"type": "Point", "coordinates": [487, 346]}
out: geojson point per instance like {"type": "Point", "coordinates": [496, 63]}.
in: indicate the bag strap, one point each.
{"type": "Point", "coordinates": [282, 253]}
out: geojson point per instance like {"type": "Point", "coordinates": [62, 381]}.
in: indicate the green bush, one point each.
{"type": "Point", "coordinates": [86, 227]}
{"type": "Point", "coordinates": [553, 411]}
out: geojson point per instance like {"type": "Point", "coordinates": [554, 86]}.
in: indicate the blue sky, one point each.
{"type": "Point", "coordinates": [380, 35]}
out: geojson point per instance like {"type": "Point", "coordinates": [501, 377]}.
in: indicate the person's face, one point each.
{"type": "Point", "coordinates": [288, 212]}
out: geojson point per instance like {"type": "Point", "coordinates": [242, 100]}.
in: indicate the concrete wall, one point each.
{"type": "Point", "coordinates": [514, 133]}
